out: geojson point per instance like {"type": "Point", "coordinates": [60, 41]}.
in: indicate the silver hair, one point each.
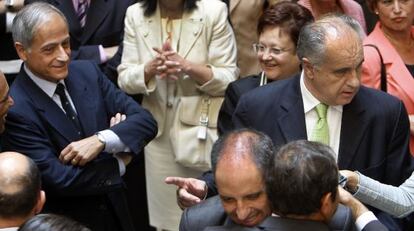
{"type": "Point", "coordinates": [313, 36]}
{"type": "Point", "coordinates": [29, 19]}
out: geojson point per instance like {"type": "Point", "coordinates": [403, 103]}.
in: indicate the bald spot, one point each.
{"type": "Point", "coordinates": [13, 166]}
{"type": "Point", "coordinates": [236, 155]}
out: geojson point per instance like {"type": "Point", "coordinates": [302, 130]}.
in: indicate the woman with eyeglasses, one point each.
{"type": "Point", "coordinates": [278, 30]}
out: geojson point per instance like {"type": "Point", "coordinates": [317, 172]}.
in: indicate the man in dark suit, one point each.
{"type": "Point", "coordinates": [100, 35]}
{"type": "Point", "coordinates": [302, 186]}
{"type": "Point", "coordinates": [61, 120]}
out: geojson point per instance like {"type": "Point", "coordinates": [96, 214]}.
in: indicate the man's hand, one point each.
{"type": "Point", "coordinates": [118, 118]}
{"type": "Point", "coordinates": [126, 157]}
{"type": "Point", "coordinates": [82, 151]}
{"type": "Point", "coordinates": [347, 199]}
{"type": "Point", "coordinates": [190, 190]}
{"type": "Point", "coordinates": [352, 179]}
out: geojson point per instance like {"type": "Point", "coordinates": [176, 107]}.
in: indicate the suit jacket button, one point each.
{"type": "Point", "coordinates": [108, 182]}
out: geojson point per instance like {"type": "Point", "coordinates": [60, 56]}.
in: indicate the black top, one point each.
{"type": "Point", "coordinates": [410, 69]}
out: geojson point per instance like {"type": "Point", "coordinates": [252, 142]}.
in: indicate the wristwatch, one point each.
{"type": "Point", "coordinates": [101, 138]}
{"type": "Point", "coordinates": [9, 4]}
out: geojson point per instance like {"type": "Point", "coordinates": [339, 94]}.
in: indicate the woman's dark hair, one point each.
{"type": "Point", "coordinates": [371, 4]}
{"type": "Point", "coordinates": [51, 222]}
{"type": "Point", "coordinates": [150, 6]}
{"type": "Point", "coordinates": [291, 17]}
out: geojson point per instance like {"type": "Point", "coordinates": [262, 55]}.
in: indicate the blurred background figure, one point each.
{"type": "Point", "coordinates": [244, 15]}
{"type": "Point", "coordinates": [278, 29]}
{"type": "Point", "coordinates": [52, 222]}
{"type": "Point", "coordinates": [9, 60]}
{"type": "Point", "coordinates": [323, 7]}
{"type": "Point", "coordinates": [393, 35]}
{"type": "Point", "coordinates": [174, 49]}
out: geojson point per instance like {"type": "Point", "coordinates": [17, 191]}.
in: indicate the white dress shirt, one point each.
{"type": "Point", "coordinates": [334, 117]}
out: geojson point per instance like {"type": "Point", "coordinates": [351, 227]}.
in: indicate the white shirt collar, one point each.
{"type": "Point", "coordinates": [309, 101]}
{"type": "Point", "coordinates": [48, 87]}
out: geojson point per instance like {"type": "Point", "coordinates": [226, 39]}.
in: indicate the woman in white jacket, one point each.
{"type": "Point", "coordinates": [174, 48]}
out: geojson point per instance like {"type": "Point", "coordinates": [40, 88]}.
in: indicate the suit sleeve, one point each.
{"type": "Point", "coordinates": [139, 128]}
{"type": "Point", "coordinates": [231, 98]}
{"type": "Point", "coordinates": [375, 226]}
{"type": "Point", "coordinates": [222, 53]}
{"type": "Point", "coordinates": [239, 118]}
{"type": "Point", "coordinates": [399, 156]}
{"type": "Point", "coordinates": [28, 136]}
{"type": "Point", "coordinates": [87, 52]}
{"type": "Point", "coordinates": [208, 177]}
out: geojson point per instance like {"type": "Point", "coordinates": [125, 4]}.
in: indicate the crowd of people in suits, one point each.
{"type": "Point", "coordinates": [75, 134]}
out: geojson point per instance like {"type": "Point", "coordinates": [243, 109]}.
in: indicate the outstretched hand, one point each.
{"type": "Point", "coordinates": [190, 191]}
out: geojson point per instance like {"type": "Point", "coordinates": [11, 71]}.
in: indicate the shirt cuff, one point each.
{"type": "Point", "coordinates": [112, 142]}
{"type": "Point", "coordinates": [9, 21]}
{"type": "Point", "coordinates": [102, 54]}
{"type": "Point", "coordinates": [121, 165]}
{"type": "Point", "coordinates": [364, 219]}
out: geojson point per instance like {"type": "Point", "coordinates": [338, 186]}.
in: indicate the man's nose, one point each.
{"type": "Point", "coordinates": [63, 55]}
{"type": "Point", "coordinates": [242, 211]}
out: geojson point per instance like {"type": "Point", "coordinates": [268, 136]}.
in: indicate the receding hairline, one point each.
{"type": "Point", "coordinates": [13, 166]}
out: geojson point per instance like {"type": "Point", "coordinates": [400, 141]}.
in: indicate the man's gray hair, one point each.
{"type": "Point", "coordinates": [313, 36]}
{"type": "Point", "coordinates": [28, 20]}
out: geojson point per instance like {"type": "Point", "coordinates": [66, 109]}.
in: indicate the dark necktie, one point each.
{"type": "Point", "coordinates": [70, 112]}
{"type": "Point", "coordinates": [82, 8]}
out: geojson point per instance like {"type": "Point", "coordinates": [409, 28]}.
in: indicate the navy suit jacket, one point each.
{"type": "Point", "coordinates": [37, 127]}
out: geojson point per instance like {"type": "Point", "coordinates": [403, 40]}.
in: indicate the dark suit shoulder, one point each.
{"type": "Point", "coordinates": [270, 92]}
{"type": "Point", "coordinates": [208, 213]}
{"type": "Point", "coordinates": [245, 84]}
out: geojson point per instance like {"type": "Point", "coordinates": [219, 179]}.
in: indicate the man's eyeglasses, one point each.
{"type": "Point", "coordinates": [273, 51]}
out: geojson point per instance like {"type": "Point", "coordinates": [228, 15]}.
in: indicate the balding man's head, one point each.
{"type": "Point", "coordinates": [20, 193]}
{"type": "Point", "coordinates": [238, 161]}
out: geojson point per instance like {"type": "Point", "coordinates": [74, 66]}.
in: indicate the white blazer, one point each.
{"type": "Point", "coordinates": [206, 38]}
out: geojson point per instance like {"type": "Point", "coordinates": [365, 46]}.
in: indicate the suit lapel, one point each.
{"type": "Point", "coordinates": [51, 112]}
{"type": "Point", "coordinates": [97, 12]}
{"type": "Point", "coordinates": [292, 118]}
{"type": "Point", "coordinates": [84, 103]}
{"type": "Point", "coordinates": [150, 31]}
{"type": "Point", "coordinates": [352, 129]}
{"type": "Point", "coordinates": [191, 25]}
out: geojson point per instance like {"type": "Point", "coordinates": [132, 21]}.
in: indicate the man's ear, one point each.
{"type": "Point", "coordinates": [308, 68]}
{"type": "Point", "coordinates": [328, 207]}
{"type": "Point", "coordinates": [40, 202]}
{"type": "Point", "coordinates": [21, 51]}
